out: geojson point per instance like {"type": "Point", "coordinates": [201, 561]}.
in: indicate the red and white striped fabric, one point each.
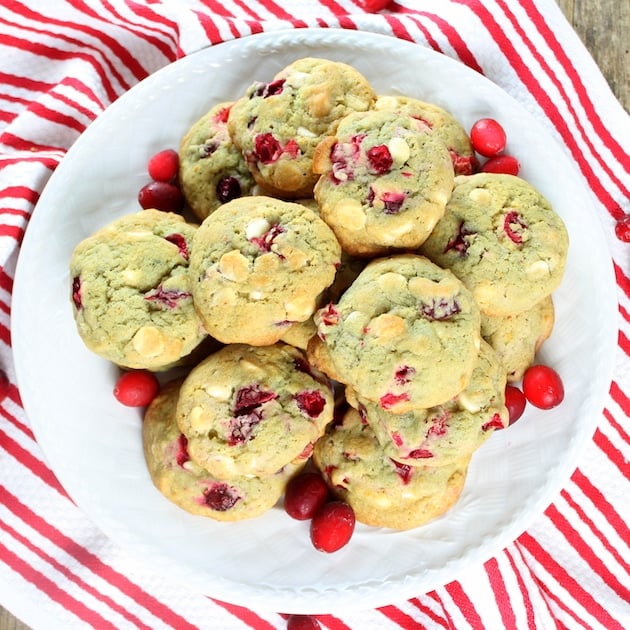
{"type": "Point", "coordinates": [61, 63]}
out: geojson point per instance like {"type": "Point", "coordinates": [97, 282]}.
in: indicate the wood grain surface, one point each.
{"type": "Point", "coordinates": [603, 26]}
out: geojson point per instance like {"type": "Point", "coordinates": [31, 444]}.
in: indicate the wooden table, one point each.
{"type": "Point", "coordinates": [603, 26]}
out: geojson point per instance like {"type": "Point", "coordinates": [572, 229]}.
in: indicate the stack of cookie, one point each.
{"type": "Point", "coordinates": [344, 236]}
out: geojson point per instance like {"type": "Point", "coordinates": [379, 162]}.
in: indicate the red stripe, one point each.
{"type": "Point", "coordinates": [244, 6]}
{"type": "Point", "coordinates": [398, 28]}
{"type": "Point", "coordinates": [54, 592]}
{"type": "Point", "coordinates": [20, 192]}
{"type": "Point", "coordinates": [624, 313]}
{"type": "Point", "coordinates": [12, 231]}
{"type": "Point", "coordinates": [56, 117]}
{"type": "Point", "coordinates": [45, 160]}
{"type": "Point", "coordinates": [16, 212]}
{"type": "Point", "coordinates": [279, 12]}
{"type": "Point", "coordinates": [88, 113]}
{"type": "Point", "coordinates": [150, 19]}
{"type": "Point", "coordinates": [616, 521]}
{"type": "Point", "coordinates": [622, 279]}
{"type": "Point", "coordinates": [588, 521]}
{"type": "Point", "coordinates": [585, 551]}
{"type": "Point", "coordinates": [402, 619]}
{"type": "Point", "coordinates": [113, 46]}
{"type": "Point", "coordinates": [616, 426]}
{"type": "Point", "coordinates": [209, 27]}
{"type": "Point", "coordinates": [92, 562]}
{"type": "Point", "coordinates": [500, 592]}
{"type": "Point", "coordinates": [613, 453]}
{"type": "Point", "coordinates": [527, 600]}
{"type": "Point", "coordinates": [433, 595]}
{"type": "Point", "coordinates": [332, 623]}
{"type": "Point", "coordinates": [57, 566]}
{"type": "Point", "coordinates": [25, 83]}
{"type": "Point", "coordinates": [426, 34]}
{"type": "Point", "coordinates": [464, 603]}
{"type": "Point", "coordinates": [5, 334]}
{"type": "Point", "coordinates": [245, 615]}
{"type": "Point", "coordinates": [18, 424]}
{"type": "Point", "coordinates": [57, 54]}
{"type": "Point", "coordinates": [576, 80]}
{"type": "Point", "coordinates": [568, 582]}
{"type": "Point", "coordinates": [620, 398]}
{"type": "Point", "coordinates": [28, 460]}
{"type": "Point", "coordinates": [624, 343]}
{"type": "Point", "coordinates": [428, 612]}
{"type": "Point", "coordinates": [6, 281]}
{"type": "Point", "coordinates": [84, 89]}
{"type": "Point", "coordinates": [21, 144]}
{"type": "Point", "coordinates": [543, 98]}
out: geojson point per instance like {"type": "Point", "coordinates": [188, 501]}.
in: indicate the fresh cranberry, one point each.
{"type": "Point", "coordinates": [180, 242]}
{"type": "Point", "coordinates": [421, 453]}
{"type": "Point", "coordinates": [266, 240]}
{"type": "Point", "coordinates": [221, 117]}
{"type": "Point", "coordinates": [459, 242]}
{"type": "Point", "coordinates": [164, 165]}
{"type": "Point", "coordinates": [440, 309]}
{"type": "Point", "coordinates": [463, 164]}
{"type": "Point", "coordinates": [304, 495]}
{"type": "Point", "coordinates": [270, 89]}
{"type": "Point", "coordinates": [161, 196]}
{"type": "Point", "coordinates": [310, 402]}
{"type": "Point", "coordinates": [622, 229]}
{"type": "Point", "coordinates": [392, 201]}
{"type": "Point", "coordinates": [404, 374]}
{"type": "Point", "coordinates": [515, 402]}
{"type": "Point", "coordinates": [496, 422]}
{"type": "Point", "coordinates": [506, 164]}
{"type": "Point", "coordinates": [266, 148]}
{"type": "Point", "coordinates": [332, 526]}
{"type": "Point", "coordinates": [221, 497]}
{"type": "Point", "coordinates": [136, 388]}
{"type": "Point", "coordinates": [302, 622]}
{"type": "Point", "coordinates": [543, 386]}
{"type": "Point", "coordinates": [182, 450]}
{"type": "Point", "coordinates": [76, 292]}
{"type": "Point", "coordinates": [389, 400]}
{"type": "Point", "coordinates": [166, 298]}
{"type": "Point", "coordinates": [404, 471]}
{"type": "Point", "coordinates": [380, 159]}
{"type": "Point", "coordinates": [513, 226]}
{"type": "Point", "coordinates": [228, 188]}
{"type": "Point", "coordinates": [488, 137]}
{"type": "Point", "coordinates": [373, 5]}
{"type": "Point", "coordinates": [329, 315]}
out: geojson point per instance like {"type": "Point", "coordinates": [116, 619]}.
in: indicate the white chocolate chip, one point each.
{"type": "Point", "coordinates": [219, 391]}
{"type": "Point", "coordinates": [349, 213]}
{"type": "Point", "coordinates": [307, 133]}
{"type": "Point", "coordinates": [256, 228]}
{"type": "Point", "coordinates": [148, 341]}
{"type": "Point", "coordinates": [479, 195]}
{"type": "Point", "coordinates": [234, 266]}
{"type": "Point", "coordinates": [468, 403]}
{"type": "Point", "coordinates": [399, 150]}
{"type": "Point", "coordinates": [386, 102]}
{"type": "Point", "coordinates": [539, 269]}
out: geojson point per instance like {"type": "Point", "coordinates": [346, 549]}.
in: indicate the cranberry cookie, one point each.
{"type": "Point", "coordinates": [248, 410]}
{"type": "Point", "coordinates": [277, 125]}
{"type": "Point", "coordinates": [385, 180]}
{"type": "Point", "coordinates": [383, 492]}
{"type": "Point", "coordinates": [212, 171]}
{"type": "Point", "coordinates": [502, 238]}
{"type": "Point", "coordinates": [258, 266]}
{"type": "Point", "coordinates": [446, 433]}
{"type": "Point", "coordinates": [188, 485]}
{"type": "Point", "coordinates": [131, 291]}
{"type": "Point", "coordinates": [405, 335]}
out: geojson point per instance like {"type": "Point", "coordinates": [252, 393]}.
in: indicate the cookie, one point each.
{"type": "Point", "coordinates": [131, 291]}
{"type": "Point", "coordinates": [446, 433]}
{"type": "Point", "coordinates": [248, 410]}
{"type": "Point", "coordinates": [189, 486]}
{"type": "Point", "coordinates": [405, 334]}
{"type": "Point", "coordinates": [259, 265]}
{"type": "Point", "coordinates": [383, 492]}
{"type": "Point", "coordinates": [212, 171]}
{"type": "Point", "coordinates": [441, 122]}
{"type": "Point", "coordinates": [385, 180]}
{"type": "Point", "coordinates": [502, 238]}
{"type": "Point", "coordinates": [517, 338]}
{"type": "Point", "coordinates": [277, 125]}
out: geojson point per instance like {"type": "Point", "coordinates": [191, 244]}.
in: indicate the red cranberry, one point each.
{"type": "Point", "coordinates": [389, 400]}
{"type": "Point", "coordinates": [463, 164]}
{"type": "Point", "coordinates": [221, 497]}
{"type": "Point", "coordinates": [164, 166]}
{"type": "Point", "coordinates": [304, 495]}
{"type": "Point", "coordinates": [332, 526]}
{"type": "Point", "coordinates": [506, 164]}
{"type": "Point", "coordinates": [515, 402]}
{"type": "Point", "coordinates": [404, 471]}
{"type": "Point", "coordinates": [228, 188]}
{"type": "Point", "coordinates": [543, 386]}
{"type": "Point", "coordinates": [180, 242]}
{"type": "Point", "coordinates": [496, 422]}
{"type": "Point", "coordinates": [136, 388]}
{"type": "Point", "coordinates": [76, 292]}
{"type": "Point", "coordinates": [265, 241]}
{"type": "Point", "coordinates": [161, 196]}
{"type": "Point", "coordinates": [488, 137]}
{"type": "Point", "coordinates": [622, 229]}
{"type": "Point", "coordinates": [302, 622]}
{"type": "Point", "coordinates": [310, 402]}
{"type": "Point", "coordinates": [459, 242]}
{"type": "Point", "coordinates": [166, 298]}
{"type": "Point", "coordinates": [266, 148]}
{"type": "Point", "coordinates": [404, 374]}
{"type": "Point", "coordinates": [440, 309]}
{"type": "Point", "coordinates": [182, 450]}
{"type": "Point", "coordinates": [380, 159]}
{"type": "Point", "coordinates": [270, 89]}
{"type": "Point", "coordinates": [250, 398]}
{"type": "Point", "coordinates": [511, 224]}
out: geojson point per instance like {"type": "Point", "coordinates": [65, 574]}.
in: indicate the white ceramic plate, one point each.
{"type": "Point", "coordinates": [93, 443]}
